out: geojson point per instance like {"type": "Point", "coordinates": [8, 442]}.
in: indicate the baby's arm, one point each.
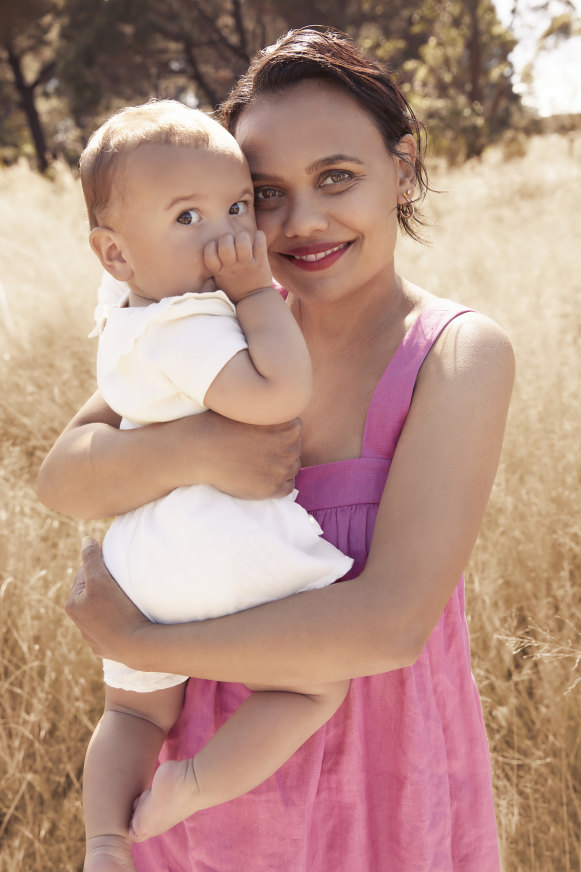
{"type": "Point", "coordinates": [119, 766]}
{"type": "Point", "coordinates": [271, 382]}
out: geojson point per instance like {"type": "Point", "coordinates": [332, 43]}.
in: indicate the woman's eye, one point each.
{"type": "Point", "coordinates": [335, 177]}
{"type": "Point", "coordinates": [190, 216]}
{"type": "Point", "coordinates": [239, 208]}
{"type": "Point", "coordinates": [264, 197]}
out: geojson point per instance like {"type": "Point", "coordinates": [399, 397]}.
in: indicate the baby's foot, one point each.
{"type": "Point", "coordinates": [108, 854]}
{"type": "Point", "coordinates": [172, 797]}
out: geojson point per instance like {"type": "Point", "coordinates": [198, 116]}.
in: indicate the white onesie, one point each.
{"type": "Point", "coordinates": [196, 553]}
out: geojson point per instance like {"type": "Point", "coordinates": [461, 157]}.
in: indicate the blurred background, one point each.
{"type": "Point", "coordinates": [476, 71]}
{"type": "Point", "coordinates": [499, 87]}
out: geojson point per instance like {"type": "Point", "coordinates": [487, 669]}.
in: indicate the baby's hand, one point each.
{"type": "Point", "coordinates": [238, 263]}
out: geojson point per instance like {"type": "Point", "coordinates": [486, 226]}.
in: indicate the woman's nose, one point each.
{"type": "Point", "coordinates": [305, 216]}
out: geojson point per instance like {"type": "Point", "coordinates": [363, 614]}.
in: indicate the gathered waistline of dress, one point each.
{"type": "Point", "coordinates": [351, 482]}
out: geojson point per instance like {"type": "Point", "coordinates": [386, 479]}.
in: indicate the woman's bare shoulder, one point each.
{"type": "Point", "coordinates": [473, 351]}
{"type": "Point", "coordinates": [473, 340]}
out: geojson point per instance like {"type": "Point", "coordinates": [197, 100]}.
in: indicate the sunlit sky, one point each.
{"type": "Point", "coordinates": [557, 73]}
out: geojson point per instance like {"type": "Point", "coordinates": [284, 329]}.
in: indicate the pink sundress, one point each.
{"type": "Point", "coordinates": [399, 779]}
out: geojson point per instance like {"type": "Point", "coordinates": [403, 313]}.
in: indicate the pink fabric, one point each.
{"type": "Point", "coordinates": [399, 779]}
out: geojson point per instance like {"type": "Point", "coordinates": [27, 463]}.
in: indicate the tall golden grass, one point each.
{"type": "Point", "coordinates": [503, 242]}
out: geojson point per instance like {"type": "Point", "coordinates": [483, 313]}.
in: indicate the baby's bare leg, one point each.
{"type": "Point", "coordinates": [265, 731]}
{"type": "Point", "coordinates": [120, 761]}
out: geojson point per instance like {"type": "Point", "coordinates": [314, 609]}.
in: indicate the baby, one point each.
{"type": "Point", "coordinates": [171, 208]}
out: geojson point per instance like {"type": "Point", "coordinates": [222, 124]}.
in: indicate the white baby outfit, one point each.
{"type": "Point", "coordinates": [196, 553]}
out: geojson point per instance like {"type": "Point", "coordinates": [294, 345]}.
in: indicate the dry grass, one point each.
{"type": "Point", "coordinates": [49, 687]}
{"type": "Point", "coordinates": [504, 244]}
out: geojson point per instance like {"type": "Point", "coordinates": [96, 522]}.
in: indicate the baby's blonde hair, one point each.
{"type": "Point", "coordinates": [158, 122]}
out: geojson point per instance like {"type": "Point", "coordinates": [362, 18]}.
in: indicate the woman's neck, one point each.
{"type": "Point", "coordinates": [356, 320]}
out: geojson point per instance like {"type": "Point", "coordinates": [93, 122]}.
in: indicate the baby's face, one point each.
{"type": "Point", "coordinates": [173, 202]}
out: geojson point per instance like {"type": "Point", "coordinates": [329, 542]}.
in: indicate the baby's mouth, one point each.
{"type": "Point", "coordinates": [208, 286]}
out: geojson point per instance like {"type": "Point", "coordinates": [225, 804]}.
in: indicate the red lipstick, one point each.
{"type": "Point", "coordinates": [317, 256]}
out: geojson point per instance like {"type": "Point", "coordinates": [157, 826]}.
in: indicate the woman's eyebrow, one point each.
{"type": "Point", "coordinates": [324, 162]}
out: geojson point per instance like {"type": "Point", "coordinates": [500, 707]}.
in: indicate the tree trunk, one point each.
{"type": "Point", "coordinates": [26, 96]}
{"type": "Point", "coordinates": [475, 53]}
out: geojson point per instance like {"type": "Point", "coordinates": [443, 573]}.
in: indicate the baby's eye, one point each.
{"type": "Point", "coordinates": [239, 208]}
{"type": "Point", "coordinates": [335, 177]}
{"type": "Point", "coordinates": [190, 216]}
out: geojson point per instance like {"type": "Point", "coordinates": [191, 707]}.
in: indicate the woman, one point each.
{"type": "Point", "coordinates": [405, 384]}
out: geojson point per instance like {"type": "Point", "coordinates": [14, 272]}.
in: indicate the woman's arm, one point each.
{"type": "Point", "coordinates": [95, 470]}
{"type": "Point", "coordinates": [428, 520]}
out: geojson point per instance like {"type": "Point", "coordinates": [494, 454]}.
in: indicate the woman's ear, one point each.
{"type": "Point", "coordinates": [107, 246]}
{"type": "Point", "coordinates": [406, 167]}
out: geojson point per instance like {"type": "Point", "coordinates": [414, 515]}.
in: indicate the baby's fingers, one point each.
{"type": "Point", "coordinates": [233, 250]}
{"type": "Point", "coordinates": [243, 244]}
{"type": "Point", "coordinates": [211, 257]}
{"type": "Point", "coordinates": [260, 250]}
{"type": "Point", "coordinates": [227, 250]}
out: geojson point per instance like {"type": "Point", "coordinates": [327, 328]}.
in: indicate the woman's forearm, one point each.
{"type": "Point", "coordinates": [300, 635]}
{"type": "Point", "coordinates": [290, 642]}
{"type": "Point", "coordinates": [95, 470]}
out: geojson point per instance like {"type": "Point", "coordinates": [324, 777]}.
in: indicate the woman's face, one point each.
{"type": "Point", "coordinates": [326, 190]}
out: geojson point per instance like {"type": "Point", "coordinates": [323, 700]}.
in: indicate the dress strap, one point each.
{"type": "Point", "coordinates": [392, 398]}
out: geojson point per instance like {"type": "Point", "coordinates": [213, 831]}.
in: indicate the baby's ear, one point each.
{"type": "Point", "coordinates": [106, 245]}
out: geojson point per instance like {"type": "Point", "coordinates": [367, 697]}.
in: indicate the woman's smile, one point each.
{"type": "Point", "coordinates": [316, 256]}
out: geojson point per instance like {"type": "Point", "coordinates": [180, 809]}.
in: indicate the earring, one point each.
{"type": "Point", "coordinates": [406, 210]}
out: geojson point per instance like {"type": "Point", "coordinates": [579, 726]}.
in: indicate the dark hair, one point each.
{"type": "Point", "coordinates": [319, 52]}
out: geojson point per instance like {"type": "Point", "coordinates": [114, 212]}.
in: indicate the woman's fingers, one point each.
{"type": "Point", "coordinates": [244, 460]}
{"type": "Point", "coordinates": [92, 557]}
{"type": "Point", "coordinates": [79, 590]}
{"type": "Point", "coordinates": [103, 613]}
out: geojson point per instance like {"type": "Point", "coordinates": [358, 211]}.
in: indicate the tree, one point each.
{"type": "Point", "coordinates": [541, 25]}
{"type": "Point", "coordinates": [451, 56]}
{"type": "Point", "coordinates": [28, 34]}
{"type": "Point", "coordinates": [460, 80]}
{"type": "Point", "coordinates": [120, 51]}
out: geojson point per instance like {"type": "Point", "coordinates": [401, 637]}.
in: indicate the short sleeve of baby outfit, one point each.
{"type": "Point", "coordinates": [193, 339]}
{"type": "Point", "coordinates": [156, 362]}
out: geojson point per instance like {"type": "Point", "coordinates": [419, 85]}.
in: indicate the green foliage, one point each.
{"type": "Point", "coordinates": [460, 80]}
{"type": "Point", "coordinates": [450, 56]}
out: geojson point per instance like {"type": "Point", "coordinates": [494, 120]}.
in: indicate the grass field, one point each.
{"type": "Point", "coordinates": [502, 241]}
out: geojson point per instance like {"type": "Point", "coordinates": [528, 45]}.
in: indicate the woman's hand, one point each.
{"type": "Point", "coordinates": [95, 470]}
{"type": "Point", "coordinates": [244, 460]}
{"type": "Point", "coordinates": [106, 617]}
